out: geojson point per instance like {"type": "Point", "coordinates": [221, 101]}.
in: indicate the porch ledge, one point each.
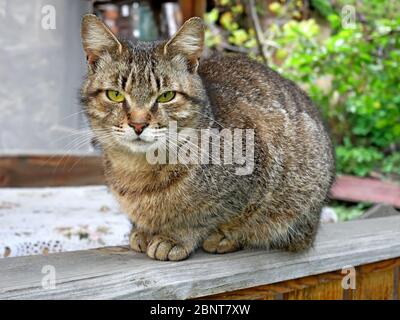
{"type": "Point", "coordinates": [118, 273]}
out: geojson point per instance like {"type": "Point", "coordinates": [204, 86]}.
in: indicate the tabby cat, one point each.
{"type": "Point", "coordinates": [131, 94]}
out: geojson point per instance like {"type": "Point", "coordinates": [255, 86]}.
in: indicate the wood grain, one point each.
{"type": "Point", "coordinates": [375, 281]}
{"type": "Point", "coordinates": [397, 284]}
{"type": "Point", "coordinates": [374, 286]}
{"type": "Point", "coordinates": [118, 273]}
{"type": "Point", "coordinates": [57, 170]}
{"type": "Point", "coordinates": [331, 290]}
{"type": "Point", "coordinates": [284, 289]}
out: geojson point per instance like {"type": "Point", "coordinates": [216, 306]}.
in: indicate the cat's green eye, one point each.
{"type": "Point", "coordinates": [166, 96]}
{"type": "Point", "coordinates": [115, 96]}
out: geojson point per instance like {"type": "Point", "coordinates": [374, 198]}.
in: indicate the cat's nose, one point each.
{"type": "Point", "coordinates": [138, 127]}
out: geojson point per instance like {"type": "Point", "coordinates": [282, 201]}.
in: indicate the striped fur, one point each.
{"type": "Point", "coordinates": [176, 208]}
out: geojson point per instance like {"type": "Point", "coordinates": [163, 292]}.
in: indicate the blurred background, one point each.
{"type": "Point", "coordinates": [345, 54]}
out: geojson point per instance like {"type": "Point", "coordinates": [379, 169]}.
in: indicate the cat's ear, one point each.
{"type": "Point", "coordinates": [97, 38]}
{"type": "Point", "coordinates": [188, 42]}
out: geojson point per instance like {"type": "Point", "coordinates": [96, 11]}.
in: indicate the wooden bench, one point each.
{"type": "Point", "coordinates": [372, 246]}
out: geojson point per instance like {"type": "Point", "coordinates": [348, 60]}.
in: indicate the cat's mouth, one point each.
{"type": "Point", "coordinates": [146, 140]}
{"type": "Point", "coordinates": [141, 141]}
{"type": "Point", "coordinates": [139, 144]}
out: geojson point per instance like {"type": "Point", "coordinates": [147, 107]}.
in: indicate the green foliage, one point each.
{"type": "Point", "coordinates": [391, 164]}
{"type": "Point", "coordinates": [348, 212]}
{"type": "Point", "coordinates": [364, 78]}
{"type": "Point", "coordinates": [357, 160]}
{"type": "Point", "coordinates": [324, 7]}
{"type": "Point", "coordinates": [352, 74]}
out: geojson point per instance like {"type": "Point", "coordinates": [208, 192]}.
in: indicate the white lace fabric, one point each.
{"type": "Point", "coordinates": [48, 220]}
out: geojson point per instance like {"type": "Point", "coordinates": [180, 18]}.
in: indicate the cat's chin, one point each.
{"type": "Point", "coordinates": [139, 146]}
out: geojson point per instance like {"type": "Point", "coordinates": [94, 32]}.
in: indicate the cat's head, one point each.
{"type": "Point", "coordinates": [133, 91]}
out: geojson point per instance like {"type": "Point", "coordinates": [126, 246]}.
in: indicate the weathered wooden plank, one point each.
{"type": "Point", "coordinates": [256, 293]}
{"type": "Point", "coordinates": [375, 281]}
{"type": "Point", "coordinates": [116, 272]}
{"type": "Point", "coordinates": [275, 290]}
{"type": "Point", "coordinates": [263, 292]}
{"type": "Point", "coordinates": [323, 286]}
{"type": "Point", "coordinates": [357, 189]}
{"type": "Point", "coordinates": [331, 290]}
{"type": "Point", "coordinates": [55, 170]}
{"type": "Point", "coordinates": [397, 284]}
{"type": "Point", "coordinates": [374, 286]}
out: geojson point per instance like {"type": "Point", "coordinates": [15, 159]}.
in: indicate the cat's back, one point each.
{"type": "Point", "coordinates": [234, 76]}
{"type": "Point", "coordinates": [235, 72]}
{"type": "Point", "coordinates": [246, 94]}
{"type": "Point", "coordinates": [232, 79]}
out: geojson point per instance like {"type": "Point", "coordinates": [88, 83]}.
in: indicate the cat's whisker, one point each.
{"type": "Point", "coordinates": [73, 114]}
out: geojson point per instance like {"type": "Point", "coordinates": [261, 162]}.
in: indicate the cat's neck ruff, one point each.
{"type": "Point", "coordinates": [137, 163]}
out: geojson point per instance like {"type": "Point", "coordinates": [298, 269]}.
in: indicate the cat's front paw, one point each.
{"type": "Point", "coordinates": [163, 248]}
{"type": "Point", "coordinates": [138, 241]}
{"type": "Point", "coordinates": [218, 243]}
